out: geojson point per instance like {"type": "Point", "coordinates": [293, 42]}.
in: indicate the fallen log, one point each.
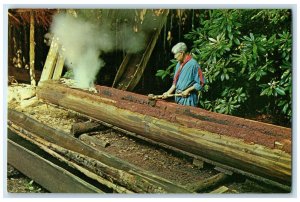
{"type": "Point", "coordinates": [80, 128]}
{"type": "Point", "coordinates": [105, 165]}
{"type": "Point", "coordinates": [240, 145]}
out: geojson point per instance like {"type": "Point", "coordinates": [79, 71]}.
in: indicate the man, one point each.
{"type": "Point", "coordinates": [188, 78]}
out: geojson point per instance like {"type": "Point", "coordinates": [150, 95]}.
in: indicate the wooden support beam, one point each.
{"type": "Point", "coordinates": [133, 65]}
{"type": "Point", "coordinates": [178, 131]}
{"type": "Point", "coordinates": [58, 67]}
{"type": "Point", "coordinates": [223, 170]}
{"type": "Point", "coordinates": [32, 51]}
{"type": "Point", "coordinates": [50, 61]}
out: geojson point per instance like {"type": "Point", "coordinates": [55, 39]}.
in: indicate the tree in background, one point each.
{"type": "Point", "coordinates": [246, 56]}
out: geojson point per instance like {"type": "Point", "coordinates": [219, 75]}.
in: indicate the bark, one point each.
{"type": "Point", "coordinates": [179, 131]}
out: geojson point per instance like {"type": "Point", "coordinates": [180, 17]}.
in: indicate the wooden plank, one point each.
{"type": "Point", "coordinates": [220, 190]}
{"type": "Point", "coordinates": [50, 176]}
{"type": "Point", "coordinates": [50, 61]}
{"type": "Point", "coordinates": [120, 71]}
{"type": "Point", "coordinates": [58, 67]}
{"type": "Point", "coordinates": [255, 159]}
{"type": "Point", "coordinates": [146, 56]}
{"type": "Point", "coordinates": [119, 171]}
{"type": "Point", "coordinates": [109, 184]}
{"type": "Point", "coordinates": [133, 65]}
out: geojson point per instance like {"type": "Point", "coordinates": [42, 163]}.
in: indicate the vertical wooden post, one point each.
{"type": "Point", "coordinates": [50, 61]}
{"type": "Point", "coordinates": [58, 67]}
{"type": "Point", "coordinates": [32, 53]}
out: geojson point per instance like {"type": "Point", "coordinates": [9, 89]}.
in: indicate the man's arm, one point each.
{"type": "Point", "coordinates": [187, 91]}
{"type": "Point", "coordinates": [170, 91]}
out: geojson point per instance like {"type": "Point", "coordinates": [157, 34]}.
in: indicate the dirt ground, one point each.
{"type": "Point", "coordinates": [19, 183]}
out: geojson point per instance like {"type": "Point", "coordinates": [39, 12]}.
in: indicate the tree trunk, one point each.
{"type": "Point", "coordinates": [206, 136]}
{"type": "Point", "coordinates": [32, 51]}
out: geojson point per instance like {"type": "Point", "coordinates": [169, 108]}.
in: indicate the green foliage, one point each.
{"type": "Point", "coordinates": [246, 57]}
{"type": "Point", "coordinates": [169, 71]}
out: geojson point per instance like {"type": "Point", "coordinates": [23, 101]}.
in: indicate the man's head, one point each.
{"type": "Point", "coordinates": [179, 50]}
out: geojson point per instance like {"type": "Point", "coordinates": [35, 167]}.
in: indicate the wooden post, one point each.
{"type": "Point", "coordinates": [50, 61]}
{"type": "Point", "coordinates": [58, 67]}
{"type": "Point", "coordinates": [32, 53]}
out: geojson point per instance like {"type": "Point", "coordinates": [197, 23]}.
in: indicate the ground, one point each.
{"type": "Point", "coordinates": [19, 183]}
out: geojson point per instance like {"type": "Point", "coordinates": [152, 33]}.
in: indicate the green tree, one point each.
{"type": "Point", "coordinates": [246, 56]}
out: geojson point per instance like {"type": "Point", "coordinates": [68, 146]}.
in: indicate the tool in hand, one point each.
{"type": "Point", "coordinates": [152, 98]}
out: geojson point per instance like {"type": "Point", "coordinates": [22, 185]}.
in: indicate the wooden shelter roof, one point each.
{"type": "Point", "coordinates": [20, 17]}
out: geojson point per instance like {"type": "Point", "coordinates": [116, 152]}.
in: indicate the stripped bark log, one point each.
{"type": "Point", "coordinates": [176, 129]}
{"type": "Point", "coordinates": [107, 166]}
{"type": "Point", "coordinates": [80, 128]}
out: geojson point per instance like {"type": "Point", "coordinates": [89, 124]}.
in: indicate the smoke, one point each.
{"type": "Point", "coordinates": [82, 43]}
{"type": "Point", "coordinates": [81, 47]}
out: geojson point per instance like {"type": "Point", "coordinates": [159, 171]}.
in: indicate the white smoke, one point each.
{"type": "Point", "coordinates": [79, 39]}
{"type": "Point", "coordinates": [83, 43]}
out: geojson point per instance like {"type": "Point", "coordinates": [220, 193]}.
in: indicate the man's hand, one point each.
{"type": "Point", "coordinates": [165, 95]}
{"type": "Point", "coordinates": [185, 93]}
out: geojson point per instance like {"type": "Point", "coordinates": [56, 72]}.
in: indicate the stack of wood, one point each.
{"type": "Point", "coordinates": [258, 150]}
